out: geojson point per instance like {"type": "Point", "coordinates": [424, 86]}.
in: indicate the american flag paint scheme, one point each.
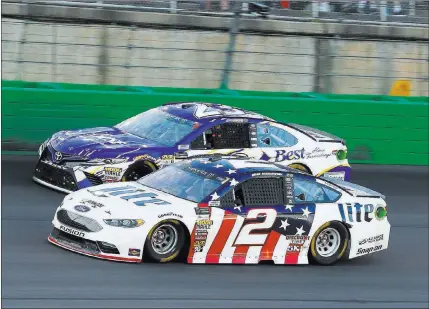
{"type": "Point", "coordinates": [76, 159]}
{"type": "Point", "coordinates": [224, 210]}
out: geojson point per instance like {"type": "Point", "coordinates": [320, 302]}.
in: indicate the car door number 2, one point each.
{"type": "Point", "coordinates": [248, 233]}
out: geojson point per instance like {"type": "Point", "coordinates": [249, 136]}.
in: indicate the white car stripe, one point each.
{"type": "Point", "coordinates": [280, 250]}
{"type": "Point", "coordinates": [253, 254]}
{"type": "Point", "coordinates": [228, 249]}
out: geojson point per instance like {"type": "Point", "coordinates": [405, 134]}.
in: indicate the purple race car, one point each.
{"type": "Point", "coordinates": [72, 160]}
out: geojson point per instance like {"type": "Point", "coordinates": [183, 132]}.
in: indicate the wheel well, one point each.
{"type": "Point", "coordinates": [187, 245]}
{"type": "Point", "coordinates": [148, 166]}
{"type": "Point", "coordinates": [346, 254]}
{"type": "Point", "coordinates": [347, 226]}
{"type": "Point", "coordinates": [306, 168]}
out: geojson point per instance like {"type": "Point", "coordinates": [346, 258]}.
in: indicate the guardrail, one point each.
{"type": "Point", "coordinates": [377, 129]}
{"type": "Point", "coordinates": [401, 11]}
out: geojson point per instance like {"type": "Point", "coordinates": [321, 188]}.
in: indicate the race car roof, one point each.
{"type": "Point", "coordinates": [199, 111]}
{"type": "Point", "coordinates": [225, 167]}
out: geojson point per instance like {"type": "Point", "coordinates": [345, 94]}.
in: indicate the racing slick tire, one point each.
{"type": "Point", "coordinates": [300, 167]}
{"type": "Point", "coordinates": [165, 242]}
{"type": "Point", "coordinates": [138, 170]}
{"type": "Point", "coordinates": [329, 244]}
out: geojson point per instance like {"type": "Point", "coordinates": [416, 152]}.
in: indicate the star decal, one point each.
{"type": "Point", "coordinates": [237, 207]}
{"type": "Point", "coordinates": [219, 165]}
{"type": "Point", "coordinates": [300, 231]}
{"type": "Point", "coordinates": [234, 182]}
{"type": "Point", "coordinates": [205, 161]}
{"type": "Point", "coordinates": [214, 196]}
{"type": "Point", "coordinates": [305, 212]}
{"type": "Point", "coordinates": [289, 207]}
{"type": "Point", "coordinates": [284, 224]}
{"type": "Point", "coordinates": [231, 172]}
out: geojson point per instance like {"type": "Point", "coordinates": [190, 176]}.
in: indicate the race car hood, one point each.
{"type": "Point", "coordinates": [89, 142]}
{"type": "Point", "coordinates": [117, 204]}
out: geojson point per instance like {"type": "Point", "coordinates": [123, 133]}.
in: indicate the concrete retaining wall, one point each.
{"type": "Point", "coordinates": [299, 57]}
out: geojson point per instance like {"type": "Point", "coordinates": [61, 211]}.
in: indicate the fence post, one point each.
{"type": "Point", "coordinates": [173, 6]}
{"type": "Point", "coordinates": [383, 10]}
{"type": "Point", "coordinates": [315, 8]}
{"type": "Point", "coordinates": [412, 8]}
{"type": "Point", "coordinates": [233, 31]}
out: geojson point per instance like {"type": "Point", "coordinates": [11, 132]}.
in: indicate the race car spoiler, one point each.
{"type": "Point", "coordinates": [316, 135]}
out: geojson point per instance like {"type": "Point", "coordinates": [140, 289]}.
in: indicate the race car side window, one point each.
{"type": "Point", "coordinates": [270, 136]}
{"type": "Point", "coordinates": [224, 136]}
{"type": "Point", "coordinates": [260, 192]}
{"type": "Point", "coordinates": [307, 190]}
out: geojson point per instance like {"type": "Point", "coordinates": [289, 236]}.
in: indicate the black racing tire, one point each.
{"type": "Point", "coordinates": [138, 170]}
{"type": "Point", "coordinates": [300, 167]}
{"type": "Point", "coordinates": [329, 244]}
{"type": "Point", "coordinates": [168, 236]}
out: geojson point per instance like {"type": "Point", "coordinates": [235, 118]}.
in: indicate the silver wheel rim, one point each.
{"type": "Point", "coordinates": [328, 242]}
{"type": "Point", "coordinates": [164, 239]}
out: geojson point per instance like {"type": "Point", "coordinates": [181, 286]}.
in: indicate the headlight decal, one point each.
{"type": "Point", "coordinates": [125, 223]}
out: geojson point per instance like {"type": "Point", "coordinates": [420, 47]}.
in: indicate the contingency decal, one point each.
{"type": "Point", "coordinates": [143, 197]}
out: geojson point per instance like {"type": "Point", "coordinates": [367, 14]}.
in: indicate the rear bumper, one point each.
{"type": "Point", "coordinates": [339, 172]}
{"type": "Point", "coordinates": [85, 247]}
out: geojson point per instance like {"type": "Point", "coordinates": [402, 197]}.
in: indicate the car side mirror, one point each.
{"type": "Point", "coordinates": [301, 197]}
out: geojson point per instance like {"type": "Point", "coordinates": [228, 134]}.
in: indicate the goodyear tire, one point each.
{"type": "Point", "coordinates": [165, 242]}
{"type": "Point", "coordinates": [300, 167]}
{"type": "Point", "coordinates": [138, 170]}
{"type": "Point", "coordinates": [329, 244]}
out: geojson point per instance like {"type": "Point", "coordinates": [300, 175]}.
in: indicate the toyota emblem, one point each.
{"type": "Point", "coordinates": [58, 156]}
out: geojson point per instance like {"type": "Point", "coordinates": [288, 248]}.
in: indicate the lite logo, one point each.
{"type": "Point", "coordinates": [141, 196]}
{"type": "Point", "coordinates": [356, 212]}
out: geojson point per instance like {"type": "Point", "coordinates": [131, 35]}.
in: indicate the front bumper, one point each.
{"type": "Point", "coordinates": [89, 236]}
{"type": "Point", "coordinates": [63, 179]}
{"type": "Point", "coordinates": [85, 246]}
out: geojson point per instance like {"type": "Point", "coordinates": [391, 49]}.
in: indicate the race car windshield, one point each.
{"type": "Point", "coordinates": [181, 183]}
{"type": "Point", "coordinates": [158, 126]}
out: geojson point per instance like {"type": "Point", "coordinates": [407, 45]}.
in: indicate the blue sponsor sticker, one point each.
{"type": "Point", "coordinates": [82, 208]}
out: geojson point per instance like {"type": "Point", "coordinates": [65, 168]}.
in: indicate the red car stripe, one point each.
{"type": "Point", "coordinates": [292, 256]}
{"type": "Point", "coordinates": [240, 254]}
{"type": "Point", "coordinates": [269, 246]}
{"type": "Point", "coordinates": [222, 236]}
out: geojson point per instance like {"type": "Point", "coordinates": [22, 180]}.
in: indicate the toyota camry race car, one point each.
{"type": "Point", "coordinates": [72, 160]}
{"type": "Point", "coordinates": [224, 210]}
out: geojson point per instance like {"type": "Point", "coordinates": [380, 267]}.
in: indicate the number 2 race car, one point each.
{"type": "Point", "coordinates": [72, 160]}
{"type": "Point", "coordinates": [224, 210]}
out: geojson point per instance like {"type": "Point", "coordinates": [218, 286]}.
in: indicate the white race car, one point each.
{"type": "Point", "coordinates": [224, 210]}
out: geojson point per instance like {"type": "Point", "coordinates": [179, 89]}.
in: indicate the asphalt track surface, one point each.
{"type": "Point", "coordinates": [38, 274]}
